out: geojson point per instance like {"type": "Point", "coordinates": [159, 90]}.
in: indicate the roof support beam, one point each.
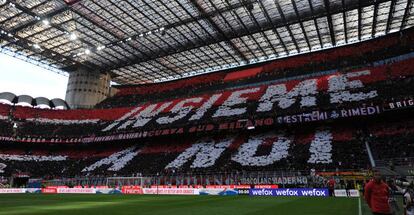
{"type": "Point", "coordinates": [359, 20]}
{"type": "Point", "coordinates": [235, 13]}
{"type": "Point", "coordinates": [58, 27]}
{"type": "Point", "coordinates": [330, 23]}
{"type": "Point", "coordinates": [119, 44]}
{"type": "Point", "coordinates": [19, 53]}
{"type": "Point", "coordinates": [265, 27]}
{"type": "Point", "coordinates": [374, 20]}
{"type": "Point", "coordinates": [390, 16]}
{"type": "Point", "coordinates": [344, 21]}
{"type": "Point", "coordinates": [301, 24]}
{"type": "Point", "coordinates": [21, 13]}
{"type": "Point", "coordinates": [22, 42]}
{"type": "Point", "coordinates": [131, 27]}
{"type": "Point", "coordinates": [249, 8]}
{"type": "Point", "coordinates": [315, 22]}
{"type": "Point", "coordinates": [201, 40]}
{"type": "Point", "coordinates": [218, 29]}
{"type": "Point", "coordinates": [35, 21]}
{"type": "Point", "coordinates": [132, 43]}
{"type": "Point", "coordinates": [406, 12]}
{"type": "Point", "coordinates": [208, 37]}
{"type": "Point", "coordinates": [233, 32]}
{"type": "Point", "coordinates": [262, 7]}
{"type": "Point", "coordinates": [287, 26]}
{"type": "Point", "coordinates": [263, 33]}
{"type": "Point", "coordinates": [158, 36]}
{"type": "Point", "coordinates": [265, 36]}
{"type": "Point", "coordinates": [114, 57]}
{"type": "Point", "coordinates": [177, 41]}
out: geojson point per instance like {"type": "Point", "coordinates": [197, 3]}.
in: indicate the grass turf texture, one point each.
{"type": "Point", "coordinates": [173, 205]}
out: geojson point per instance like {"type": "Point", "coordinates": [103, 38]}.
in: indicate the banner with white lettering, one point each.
{"type": "Point", "coordinates": [327, 115]}
{"type": "Point", "coordinates": [399, 104]}
{"type": "Point", "coordinates": [308, 192]}
{"type": "Point", "coordinates": [76, 190]}
{"type": "Point", "coordinates": [171, 191]}
{"type": "Point", "coordinates": [275, 180]}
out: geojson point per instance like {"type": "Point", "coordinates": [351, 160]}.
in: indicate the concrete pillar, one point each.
{"type": "Point", "coordinates": [86, 89]}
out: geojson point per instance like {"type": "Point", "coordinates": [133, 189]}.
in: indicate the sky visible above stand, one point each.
{"type": "Point", "coordinates": [22, 78]}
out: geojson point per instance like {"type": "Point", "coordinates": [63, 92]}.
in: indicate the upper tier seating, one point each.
{"type": "Point", "coordinates": [351, 55]}
{"type": "Point", "coordinates": [381, 81]}
{"type": "Point", "coordinates": [4, 110]}
{"type": "Point", "coordinates": [80, 114]}
{"type": "Point", "coordinates": [375, 83]}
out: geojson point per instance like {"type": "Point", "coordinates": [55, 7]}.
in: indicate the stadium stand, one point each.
{"type": "Point", "coordinates": [200, 98]}
{"type": "Point", "coordinates": [44, 123]}
{"type": "Point", "coordinates": [253, 119]}
{"type": "Point", "coordinates": [322, 61]}
{"type": "Point", "coordinates": [334, 147]}
{"type": "Point", "coordinates": [393, 140]}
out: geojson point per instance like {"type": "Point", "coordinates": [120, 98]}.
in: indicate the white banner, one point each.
{"type": "Point", "coordinates": [171, 191]}
{"type": "Point", "coordinates": [353, 193]}
{"type": "Point", "coordinates": [12, 190]}
{"type": "Point", "coordinates": [340, 193]}
{"type": "Point", "coordinates": [218, 191]}
{"type": "Point", "coordinates": [346, 193]}
{"type": "Point", "coordinates": [77, 190]}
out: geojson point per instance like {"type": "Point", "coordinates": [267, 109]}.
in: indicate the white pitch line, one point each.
{"type": "Point", "coordinates": [359, 206]}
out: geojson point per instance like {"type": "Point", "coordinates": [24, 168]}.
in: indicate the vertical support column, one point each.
{"type": "Point", "coordinates": [371, 158]}
{"type": "Point", "coordinates": [86, 89]}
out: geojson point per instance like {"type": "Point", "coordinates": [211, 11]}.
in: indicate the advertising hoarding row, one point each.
{"type": "Point", "coordinates": [222, 191]}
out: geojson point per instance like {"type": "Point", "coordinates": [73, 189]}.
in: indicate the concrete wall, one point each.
{"type": "Point", "coordinates": [86, 89]}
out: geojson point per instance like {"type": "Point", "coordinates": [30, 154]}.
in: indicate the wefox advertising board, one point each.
{"type": "Point", "coordinates": [309, 192]}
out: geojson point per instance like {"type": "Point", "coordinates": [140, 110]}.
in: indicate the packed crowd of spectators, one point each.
{"type": "Point", "coordinates": [332, 148]}
{"type": "Point", "coordinates": [397, 85]}
{"type": "Point", "coordinates": [348, 57]}
{"type": "Point", "coordinates": [393, 141]}
{"type": "Point", "coordinates": [386, 53]}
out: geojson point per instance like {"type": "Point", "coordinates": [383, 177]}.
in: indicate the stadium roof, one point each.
{"type": "Point", "coordinates": [159, 40]}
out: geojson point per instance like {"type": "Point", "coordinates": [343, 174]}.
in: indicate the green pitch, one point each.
{"type": "Point", "coordinates": [174, 205]}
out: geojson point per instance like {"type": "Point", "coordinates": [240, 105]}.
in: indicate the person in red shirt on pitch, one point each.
{"type": "Point", "coordinates": [376, 195]}
{"type": "Point", "coordinates": [331, 186]}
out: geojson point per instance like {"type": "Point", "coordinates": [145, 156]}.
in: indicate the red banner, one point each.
{"type": "Point", "coordinates": [132, 190]}
{"type": "Point", "coordinates": [49, 190]}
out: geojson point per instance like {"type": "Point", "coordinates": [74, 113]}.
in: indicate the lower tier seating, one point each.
{"type": "Point", "coordinates": [330, 147]}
